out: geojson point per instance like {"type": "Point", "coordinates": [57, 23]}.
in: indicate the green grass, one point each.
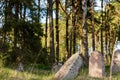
{"type": "Point", "coordinates": [42, 72]}
{"type": "Point", "coordinates": [30, 73]}
{"type": "Point", "coordinates": [83, 75]}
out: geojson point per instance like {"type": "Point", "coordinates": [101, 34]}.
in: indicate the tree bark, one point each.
{"type": "Point", "coordinates": [24, 13]}
{"type": "Point", "coordinates": [5, 25]}
{"type": "Point", "coordinates": [93, 28]}
{"type": "Point", "coordinates": [57, 30]}
{"type": "Point", "coordinates": [71, 41]}
{"type": "Point", "coordinates": [52, 54]}
{"type": "Point", "coordinates": [67, 24]}
{"type": "Point", "coordinates": [101, 35]}
{"type": "Point", "coordinates": [38, 10]}
{"type": "Point", "coordinates": [74, 25]}
{"type": "Point", "coordinates": [85, 32]}
{"type": "Point", "coordinates": [15, 27]}
{"type": "Point", "coordinates": [46, 28]}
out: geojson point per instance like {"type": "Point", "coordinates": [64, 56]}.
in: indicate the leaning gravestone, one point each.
{"type": "Point", "coordinates": [116, 61]}
{"type": "Point", "coordinates": [96, 65]}
{"type": "Point", "coordinates": [70, 69]}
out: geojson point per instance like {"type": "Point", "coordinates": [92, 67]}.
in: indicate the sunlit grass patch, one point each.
{"type": "Point", "coordinates": [35, 73]}
{"type": "Point", "coordinates": [27, 74]}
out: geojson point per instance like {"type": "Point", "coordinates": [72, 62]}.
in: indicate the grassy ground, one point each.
{"type": "Point", "coordinates": [44, 73]}
{"type": "Point", "coordinates": [30, 73]}
{"type": "Point", "coordinates": [83, 75]}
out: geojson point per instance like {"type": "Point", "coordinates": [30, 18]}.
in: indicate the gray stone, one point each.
{"type": "Point", "coordinates": [20, 67]}
{"type": "Point", "coordinates": [70, 69]}
{"type": "Point", "coordinates": [116, 61]}
{"type": "Point", "coordinates": [96, 65]}
{"type": "Point", "coordinates": [56, 67]}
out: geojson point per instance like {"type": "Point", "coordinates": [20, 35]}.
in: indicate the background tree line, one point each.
{"type": "Point", "coordinates": [77, 24]}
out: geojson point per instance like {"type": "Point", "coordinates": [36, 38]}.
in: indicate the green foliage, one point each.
{"type": "Point", "coordinates": [118, 33]}
{"type": "Point", "coordinates": [4, 48]}
{"type": "Point", "coordinates": [29, 37]}
{"type": "Point", "coordinates": [22, 37]}
{"type": "Point", "coordinates": [29, 40]}
{"type": "Point", "coordinates": [41, 66]}
{"type": "Point", "coordinates": [3, 59]}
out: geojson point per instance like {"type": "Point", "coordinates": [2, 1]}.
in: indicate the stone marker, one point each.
{"type": "Point", "coordinates": [116, 62]}
{"type": "Point", "coordinates": [56, 67]}
{"type": "Point", "coordinates": [96, 65]}
{"type": "Point", "coordinates": [20, 67]}
{"type": "Point", "coordinates": [70, 69]}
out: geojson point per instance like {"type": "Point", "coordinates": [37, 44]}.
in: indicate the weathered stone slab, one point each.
{"type": "Point", "coordinates": [96, 65]}
{"type": "Point", "coordinates": [70, 69]}
{"type": "Point", "coordinates": [116, 62]}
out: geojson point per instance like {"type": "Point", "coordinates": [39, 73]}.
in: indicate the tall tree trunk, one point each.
{"type": "Point", "coordinates": [67, 24]}
{"type": "Point", "coordinates": [15, 27]}
{"type": "Point", "coordinates": [5, 25]}
{"type": "Point", "coordinates": [109, 42]}
{"type": "Point", "coordinates": [51, 31]}
{"type": "Point", "coordinates": [71, 42]}
{"type": "Point", "coordinates": [106, 28]}
{"type": "Point", "coordinates": [74, 25]}
{"type": "Point", "coordinates": [20, 9]}
{"type": "Point", "coordinates": [93, 28]}
{"type": "Point", "coordinates": [38, 10]}
{"type": "Point", "coordinates": [101, 35]}
{"type": "Point", "coordinates": [24, 13]}
{"type": "Point", "coordinates": [46, 28]}
{"type": "Point", "coordinates": [46, 34]}
{"type": "Point", "coordinates": [57, 30]}
{"type": "Point", "coordinates": [85, 32]}
{"type": "Point", "coordinates": [108, 32]}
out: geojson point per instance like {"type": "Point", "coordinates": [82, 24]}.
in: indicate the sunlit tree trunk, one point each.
{"type": "Point", "coordinates": [109, 41]}
{"type": "Point", "coordinates": [108, 34]}
{"type": "Point", "coordinates": [85, 32]}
